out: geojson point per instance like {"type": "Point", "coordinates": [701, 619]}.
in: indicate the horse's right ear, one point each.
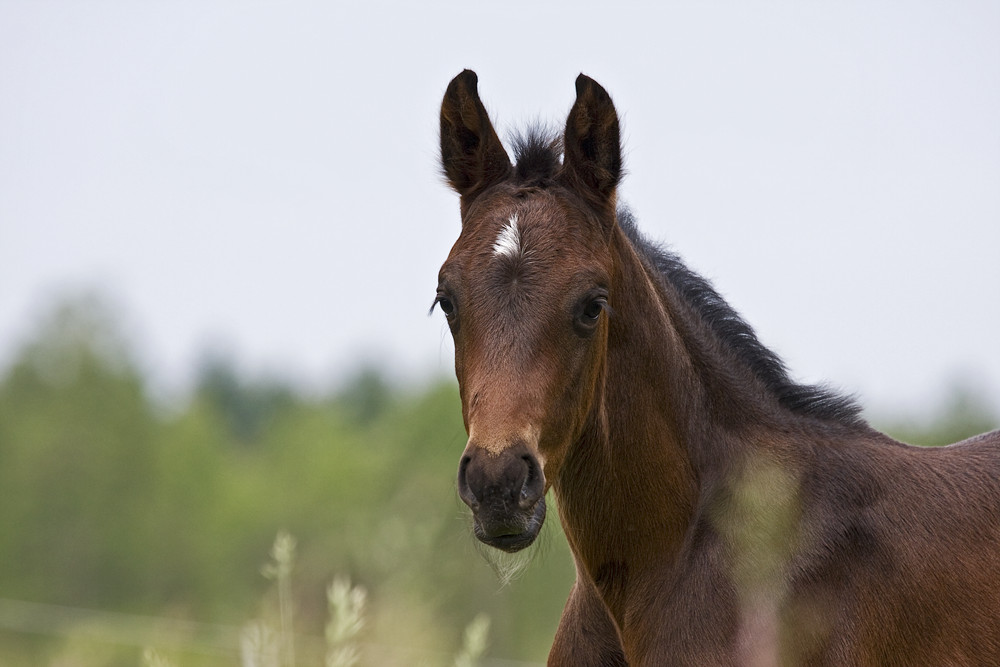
{"type": "Point", "coordinates": [472, 156]}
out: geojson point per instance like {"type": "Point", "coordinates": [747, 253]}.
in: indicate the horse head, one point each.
{"type": "Point", "coordinates": [527, 291]}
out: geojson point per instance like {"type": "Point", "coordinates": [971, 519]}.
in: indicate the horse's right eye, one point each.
{"type": "Point", "coordinates": [446, 305]}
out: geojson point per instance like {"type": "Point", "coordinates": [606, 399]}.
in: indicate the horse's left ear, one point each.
{"type": "Point", "coordinates": [592, 164]}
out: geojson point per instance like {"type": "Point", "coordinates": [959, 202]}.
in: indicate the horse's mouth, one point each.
{"type": "Point", "coordinates": [510, 533]}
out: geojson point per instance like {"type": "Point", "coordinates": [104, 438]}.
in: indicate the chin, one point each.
{"type": "Point", "coordinates": [510, 533]}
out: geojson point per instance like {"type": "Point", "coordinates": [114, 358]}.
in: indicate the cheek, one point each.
{"type": "Point", "coordinates": [575, 390]}
{"type": "Point", "coordinates": [460, 375]}
{"type": "Point", "coordinates": [589, 372]}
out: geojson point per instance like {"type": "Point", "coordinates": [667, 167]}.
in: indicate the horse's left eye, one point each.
{"type": "Point", "coordinates": [593, 309]}
{"type": "Point", "coordinates": [590, 312]}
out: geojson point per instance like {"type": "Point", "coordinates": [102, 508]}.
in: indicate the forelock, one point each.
{"type": "Point", "coordinates": [537, 156]}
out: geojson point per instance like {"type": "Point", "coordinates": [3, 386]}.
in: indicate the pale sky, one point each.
{"type": "Point", "coordinates": [263, 175]}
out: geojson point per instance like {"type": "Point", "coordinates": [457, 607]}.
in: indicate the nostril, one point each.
{"type": "Point", "coordinates": [465, 491]}
{"type": "Point", "coordinates": [534, 483]}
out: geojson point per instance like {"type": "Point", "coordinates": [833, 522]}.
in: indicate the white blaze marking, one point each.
{"type": "Point", "coordinates": [508, 243]}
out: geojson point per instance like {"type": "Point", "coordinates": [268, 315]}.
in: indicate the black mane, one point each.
{"type": "Point", "coordinates": [817, 401]}
{"type": "Point", "coordinates": [538, 158]}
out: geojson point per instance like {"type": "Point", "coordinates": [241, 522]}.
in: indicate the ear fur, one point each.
{"type": "Point", "coordinates": [592, 164]}
{"type": "Point", "coordinates": [472, 156]}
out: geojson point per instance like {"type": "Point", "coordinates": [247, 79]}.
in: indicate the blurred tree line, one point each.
{"type": "Point", "coordinates": [112, 503]}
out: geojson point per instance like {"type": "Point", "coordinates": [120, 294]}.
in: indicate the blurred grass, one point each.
{"type": "Point", "coordinates": [125, 527]}
{"type": "Point", "coordinates": [122, 521]}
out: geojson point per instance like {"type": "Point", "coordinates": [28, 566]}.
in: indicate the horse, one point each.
{"type": "Point", "coordinates": [718, 512]}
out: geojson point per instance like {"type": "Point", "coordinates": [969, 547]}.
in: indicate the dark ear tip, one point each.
{"type": "Point", "coordinates": [467, 78]}
{"type": "Point", "coordinates": [584, 84]}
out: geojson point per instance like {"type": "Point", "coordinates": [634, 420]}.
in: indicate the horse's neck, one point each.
{"type": "Point", "coordinates": [629, 488]}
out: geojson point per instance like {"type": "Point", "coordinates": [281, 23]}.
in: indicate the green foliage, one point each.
{"type": "Point", "coordinates": [154, 517]}
{"type": "Point", "coordinates": [964, 413]}
{"type": "Point", "coordinates": [161, 520]}
{"type": "Point", "coordinates": [247, 407]}
{"type": "Point", "coordinates": [75, 460]}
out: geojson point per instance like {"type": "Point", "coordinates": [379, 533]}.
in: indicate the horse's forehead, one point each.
{"type": "Point", "coordinates": [518, 229]}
